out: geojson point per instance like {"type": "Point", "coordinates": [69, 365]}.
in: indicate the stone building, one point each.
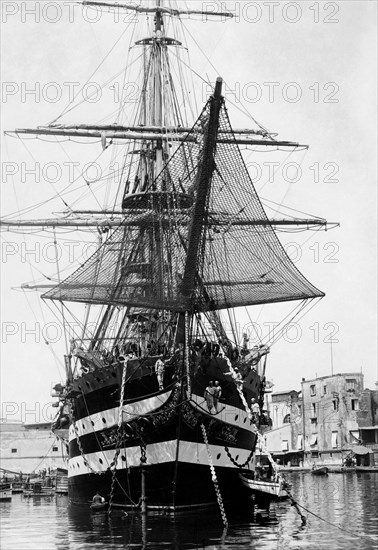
{"type": "Point", "coordinates": [323, 422]}
{"type": "Point", "coordinates": [284, 440]}
{"type": "Point", "coordinates": [332, 407]}
{"type": "Point", "coordinates": [367, 418]}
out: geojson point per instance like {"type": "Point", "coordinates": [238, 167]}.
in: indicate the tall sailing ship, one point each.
{"type": "Point", "coordinates": [157, 409]}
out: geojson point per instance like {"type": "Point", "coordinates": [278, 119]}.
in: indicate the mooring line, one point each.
{"type": "Point", "coordinates": [334, 525]}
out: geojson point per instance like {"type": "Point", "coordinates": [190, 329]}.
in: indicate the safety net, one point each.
{"type": "Point", "coordinates": [239, 260]}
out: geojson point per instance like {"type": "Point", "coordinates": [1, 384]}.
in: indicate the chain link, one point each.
{"type": "Point", "coordinates": [143, 455]}
{"type": "Point", "coordinates": [214, 477]}
{"type": "Point", "coordinates": [113, 464]}
{"type": "Point", "coordinates": [250, 456]}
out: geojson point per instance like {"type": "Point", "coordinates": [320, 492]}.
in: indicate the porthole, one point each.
{"type": "Point", "coordinates": [104, 420]}
{"type": "Point", "coordinates": [100, 460]}
{"type": "Point", "coordinates": [236, 416]}
{"type": "Point", "coordinates": [83, 426]}
{"type": "Point", "coordinates": [245, 420]}
{"type": "Point", "coordinates": [218, 456]}
{"type": "Point", "coordinates": [77, 464]}
{"type": "Point", "coordinates": [98, 379]}
{"type": "Point", "coordinates": [123, 458]}
{"type": "Point", "coordinates": [236, 457]}
{"type": "Point", "coordinates": [88, 384]}
{"type": "Point", "coordinates": [114, 374]}
{"type": "Point", "coordinates": [92, 422]}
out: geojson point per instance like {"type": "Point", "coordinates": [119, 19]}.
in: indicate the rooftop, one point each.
{"type": "Point", "coordinates": [339, 374]}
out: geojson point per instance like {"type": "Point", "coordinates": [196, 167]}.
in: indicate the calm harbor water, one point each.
{"type": "Point", "coordinates": [348, 501]}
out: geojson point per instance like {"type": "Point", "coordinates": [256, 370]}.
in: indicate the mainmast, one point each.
{"type": "Point", "coordinates": [157, 115]}
{"type": "Point", "coordinates": [153, 269]}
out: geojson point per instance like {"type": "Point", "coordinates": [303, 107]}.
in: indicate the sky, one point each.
{"type": "Point", "coordinates": [306, 70]}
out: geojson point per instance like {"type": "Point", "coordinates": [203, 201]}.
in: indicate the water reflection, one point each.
{"type": "Point", "coordinates": [348, 502]}
{"type": "Point", "coordinates": [190, 530]}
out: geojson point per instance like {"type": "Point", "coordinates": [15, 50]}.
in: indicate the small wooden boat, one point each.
{"type": "Point", "coordinates": [266, 487]}
{"type": "Point", "coordinates": [5, 492]}
{"type": "Point", "coordinates": [321, 471]}
{"type": "Point", "coordinates": [45, 493]}
{"type": "Point", "coordinates": [38, 491]}
{"type": "Point", "coordinates": [17, 487]}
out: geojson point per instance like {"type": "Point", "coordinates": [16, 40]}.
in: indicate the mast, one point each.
{"type": "Point", "coordinates": [202, 188]}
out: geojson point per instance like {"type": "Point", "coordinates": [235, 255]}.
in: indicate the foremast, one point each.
{"type": "Point", "coordinates": [200, 209]}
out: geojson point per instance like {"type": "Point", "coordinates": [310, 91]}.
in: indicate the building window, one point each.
{"type": "Point", "coordinates": [334, 440]}
{"type": "Point", "coordinates": [314, 454]}
{"type": "Point", "coordinates": [324, 389]}
{"type": "Point", "coordinates": [351, 384]}
{"type": "Point", "coordinates": [314, 439]}
{"type": "Point", "coordinates": [314, 420]}
{"type": "Point", "coordinates": [55, 449]}
{"type": "Point", "coordinates": [286, 420]}
{"type": "Point", "coordinates": [13, 450]}
{"type": "Point", "coordinates": [312, 390]}
{"type": "Point", "coordinates": [335, 403]}
{"type": "Point", "coordinates": [355, 405]}
{"type": "Point", "coordinates": [313, 409]}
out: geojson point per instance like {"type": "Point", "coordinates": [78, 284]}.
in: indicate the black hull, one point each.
{"type": "Point", "coordinates": [194, 488]}
{"type": "Point", "coordinates": [105, 450]}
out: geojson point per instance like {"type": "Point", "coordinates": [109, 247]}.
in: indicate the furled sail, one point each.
{"type": "Point", "coordinates": [240, 260]}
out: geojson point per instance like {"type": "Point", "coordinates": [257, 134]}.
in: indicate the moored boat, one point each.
{"type": "Point", "coordinates": [264, 487]}
{"type": "Point", "coordinates": [37, 488]}
{"type": "Point", "coordinates": [320, 471]}
{"type": "Point", "coordinates": [17, 487]}
{"type": "Point", "coordinates": [5, 492]}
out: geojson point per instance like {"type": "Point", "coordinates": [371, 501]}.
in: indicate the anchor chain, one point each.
{"type": "Point", "coordinates": [143, 455]}
{"type": "Point", "coordinates": [250, 456]}
{"type": "Point", "coordinates": [113, 464]}
{"type": "Point", "coordinates": [86, 463]}
{"type": "Point", "coordinates": [214, 477]}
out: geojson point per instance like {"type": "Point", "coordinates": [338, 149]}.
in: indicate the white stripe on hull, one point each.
{"type": "Point", "coordinates": [157, 453]}
{"type": "Point", "coordinates": [228, 414]}
{"type": "Point", "coordinates": [109, 418]}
